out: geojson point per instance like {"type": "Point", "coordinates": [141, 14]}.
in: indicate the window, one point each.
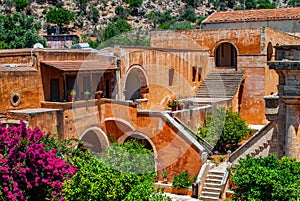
{"type": "Point", "coordinates": [171, 76]}
{"type": "Point", "coordinates": [194, 73]}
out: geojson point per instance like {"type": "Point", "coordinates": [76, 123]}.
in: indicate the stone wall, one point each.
{"type": "Point", "coordinates": [156, 63]}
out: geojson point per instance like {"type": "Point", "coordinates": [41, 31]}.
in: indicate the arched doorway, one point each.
{"type": "Point", "coordinates": [226, 56]}
{"type": "Point", "coordinates": [140, 139]}
{"type": "Point", "coordinates": [95, 140]}
{"type": "Point", "coordinates": [146, 141]}
{"type": "Point", "coordinates": [135, 80]}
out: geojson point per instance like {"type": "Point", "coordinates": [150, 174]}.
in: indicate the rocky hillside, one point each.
{"type": "Point", "coordinates": [93, 16]}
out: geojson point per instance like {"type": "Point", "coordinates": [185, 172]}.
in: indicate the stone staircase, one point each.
{"type": "Point", "coordinates": [260, 144]}
{"type": "Point", "coordinates": [212, 189]}
{"type": "Point", "coordinates": [220, 84]}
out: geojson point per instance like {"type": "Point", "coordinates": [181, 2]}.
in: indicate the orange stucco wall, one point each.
{"type": "Point", "coordinates": [156, 63]}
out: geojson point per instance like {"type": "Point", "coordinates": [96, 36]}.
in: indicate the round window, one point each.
{"type": "Point", "coordinates": [15, 99]}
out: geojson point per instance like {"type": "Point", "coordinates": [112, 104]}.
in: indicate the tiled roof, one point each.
{"type": "Point", "coordinates": [254, 15]}
{"type": "Point", "coordinates": [91, 65]}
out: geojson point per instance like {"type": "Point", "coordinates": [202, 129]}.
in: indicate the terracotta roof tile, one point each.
{"type": "Point", "coordinates": [91, 65]}
{"type": "Point", "coordinates": [254, 15]}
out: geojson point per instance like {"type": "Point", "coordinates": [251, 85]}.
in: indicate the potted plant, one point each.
{"type": "Point", "coordinates": [173, 104]}
{"type": "Point", "coordinates": [165, 176]}
{"type": "Point", "coordinates": [71, 95]}
{"type": "Point", "coordinates": [181, 182]}
{"type": "Point", "coordinates": [86, 94]}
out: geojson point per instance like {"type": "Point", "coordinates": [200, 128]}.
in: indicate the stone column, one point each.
{"type": "Point", "coordinates": [292, 133]}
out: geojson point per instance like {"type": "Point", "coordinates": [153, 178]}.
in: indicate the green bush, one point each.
{"type": "Point", "coordinates": [134, 3]}
{"type": "Point", "coordinates": [200, 20]}
{"type": "Point", "coordinates": [182, 180]}
{"type": "Point", "coordinates": [122, 12]}
{"type": "Point", "coordinates": [224, 129]}
{"type": "Point", "coordinates": [112, 176]}
{"type": "Point", "coordinates": [21, 4]}
{"type": "Point", "coordinates": [189, 15]}
{"type": "Point", "coordinates": [19, 31]}
{"type": "Point", "coordinates": [183, 25]}
{"type": "Point", "coordinates": [294, 3]}
{"type": "Point", "coordinates": [116, 28]}
{"type": "Point", "coordinates": [59, 16]}
{"type": "Point", "coordinates": [267, 178]}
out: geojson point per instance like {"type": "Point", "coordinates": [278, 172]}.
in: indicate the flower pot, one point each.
{"type": "Point", "coordinates": [165, 180]}
{"type": "Point", "coordinates": [173, 108]}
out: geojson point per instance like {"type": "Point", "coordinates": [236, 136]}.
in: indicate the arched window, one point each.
{"type": "Point", "coordinates": [269, 51]}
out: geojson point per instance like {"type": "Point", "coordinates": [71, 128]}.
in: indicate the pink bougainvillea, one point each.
{"type": "Point", "coordinates": [29, 171]}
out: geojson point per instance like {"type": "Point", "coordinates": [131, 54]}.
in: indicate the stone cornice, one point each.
{"type": "Point", "coordinates": [284, 65]}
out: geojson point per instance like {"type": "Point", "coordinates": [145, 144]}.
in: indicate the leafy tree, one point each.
{"type": "Point", "coordinates": [21, 4]}
{"type": "Point", "coordinates": [113, 176]}
{"type": "Point", "coordinates": [116, 28]}
{"type": "Point", "coordinates": [192, 3]}
{"type": "Point", "coordinates": [19, 31]}
{"type": "Point", "coordinates": [224, 129]}
{"type": "Point", "coordinates": [134, 3]}
{"type": "Point", "coordinates": [159, 18]}
{"type": "Point", "coordinates": [82, 4]}
{"type": "Point", "coordinates": [189, 15]}
{"type": "Point", "coordinates": [8, 4]}
{"type": "Point", "coordinates": [122, 12]}
{"type": "Point", "coordinates": [267, 179]}
{"type": "Point", "coordinates": [183, 25]}
{"type": "Point", "coordinates": [59, 16]}
{"type": "Point", "coordinates": [265, 4]}
{"type": "Point", "coordinates": [223, 5]}
{"type": "Point", "coordinates": [200, 20]}
{"type": "Point", "coordinates": [294, 3]}
{"type": "Point", "coordinates": [249, 4]}
{"type": "Point", "coordinates": [30, 168]}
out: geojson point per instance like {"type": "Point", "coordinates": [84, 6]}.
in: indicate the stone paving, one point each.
{"type": "Point", "coordinates": [175, 197]}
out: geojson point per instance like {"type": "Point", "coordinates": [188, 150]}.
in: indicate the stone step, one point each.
{"type": "Point", "coordinates": [210, 194]}
{"type": "Point", "coordinates": [212, 185]}
{"type": "Point", "coordinates": [216, 177]}
{"type": "Point", "coordinates": [209, 189]}
{"type": "Point", "coordinates": [213, 181]}
{"type": "Point", "coordinates": [207, 198]}
{"type": "Point", "coordinates": [216, 172]}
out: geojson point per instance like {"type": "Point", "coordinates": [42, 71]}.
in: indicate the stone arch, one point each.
{"type": "Point", "coordinates": [95, 139]}
{"type": "Point", "coordinates": [141, 137]}
{"type": "Point", "coordinates": [269, 51]}
{"type": "Point", "coordinates": [135, 79]}
{"type": "Point", "coordinates": [226, 55]}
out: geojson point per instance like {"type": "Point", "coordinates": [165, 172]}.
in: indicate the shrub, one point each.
{"type": "Point", "coordinates": [21, 4]}
{"type": "Point", "coordinates": [200, 20]}
{"type": "Point", "coordinates": [267, 179]}
{"type": "Point", "coordinates": [121, 12]}
{"type": "Point", "coordinates": [224, 129]}
{"type": "Point", "coordinates": [116, 28]}
{"type": "Point", "coordinates": [30, 168]}
{"type": "Point", "coordinates": [189, 15]}
{"type": "Point", "coordinates": [182, 180]}
{"type": "Point", "coordinates": [294, 3]}
{"type": "Point", "coordinates": [59, 16]}
{"type": "Point", "coordinates": [134, 3]}
{"type": "Point", "coordinates": [113, 176]}
{"type": "Point", "coordinates": [184, 25]}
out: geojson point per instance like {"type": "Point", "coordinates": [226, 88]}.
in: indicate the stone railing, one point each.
{"type": "Point", "coordinates": [251, 144]}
